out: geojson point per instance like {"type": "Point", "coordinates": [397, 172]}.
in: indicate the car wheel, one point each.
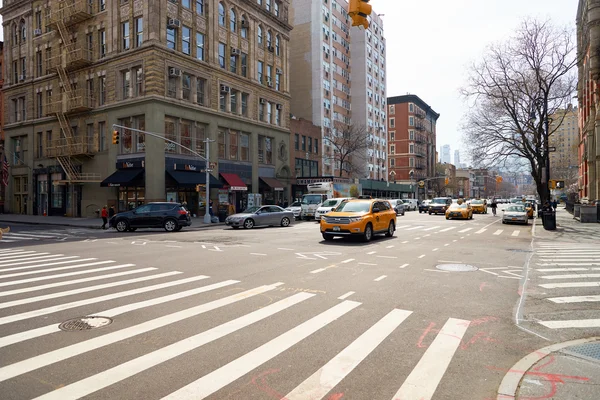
{"type": "Point", "coordinates": [170, 225]}
{"type": "Point", "coordinates": [403, 212]}
{"type": "Point", "coordinates": [249, 224]}
{"type": "Point", "coordinates": [503, 221]}
{"type": "Point", "coordinates": [368, 235]}
{"type": "Point", "coordinates": [285, 221]}
{"type": "Point", "coordinates": [391, 229]}
{"type": "Point", "coordinates": [122, 225]}
{"type": "Point", "coordinates": [429, 212]}
{"type": "Point", "coordinates": [327, 236]}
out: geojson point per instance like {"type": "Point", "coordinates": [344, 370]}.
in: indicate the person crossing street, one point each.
{"type": "Point", "coordinates": [104, 216]}
{"type": "Point", "coordinates": [494, 206]}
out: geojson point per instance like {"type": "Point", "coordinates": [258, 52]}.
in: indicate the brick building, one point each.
{"type": "Point", "coordinates": [2, 153]}
{"type": "Point", "coordinates": [305, 153]}
{"type": "Point", "coordinates": [188, 70]}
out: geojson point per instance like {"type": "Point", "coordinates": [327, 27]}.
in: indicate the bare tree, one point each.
{"type": "Point", "coordinates": [349, 146]}
{"type": "Point", "coordinates": [513, 94]}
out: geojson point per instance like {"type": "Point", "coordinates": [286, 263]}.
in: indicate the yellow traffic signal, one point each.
{"type": "Point", "coordinates": [115, 139]}
{"type": "Point", "coordinates": [499, 179]}
{"type": "Point", "coordinates": [447, 181]}
{"type": "Point", "coordinates": [552, 184]}
{"type": "Point", "coordinates": [359, 10]}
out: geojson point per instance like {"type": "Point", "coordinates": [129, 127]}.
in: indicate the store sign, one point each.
{"type": "Point", "coordinates": [238, 188]}
{"type": "Point", "coordinates": [187, 167]}
{"type": "Point", "coordinates": [114, 185]}
{"type": "Point", "coordinates": [130, 164]}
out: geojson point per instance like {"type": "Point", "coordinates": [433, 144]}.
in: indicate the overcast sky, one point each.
{"type": "Point", "coordinates": [429, 44]}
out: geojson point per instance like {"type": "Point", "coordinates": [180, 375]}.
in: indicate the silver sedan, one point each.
{"type": "Point", "coordinates": [515, 213]}
{"type": "Point", "coordinates": [260, 216]}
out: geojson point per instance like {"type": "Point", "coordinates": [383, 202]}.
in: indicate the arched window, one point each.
{"type": "Point", "coordinates": [23, 30]}
{"type": "Point", "coordinates": [221, 14]}
{"type": "Point", "coordinates": [259, 36]}
{"type": "Point", "coordinates": [15, 34]}
{"type": "Point", "coordinates": [277, 45]}
{"type": "Point", "coordinates": [269, 38]}
{"type": "Point", "coordinates": [259, 2]}
{"type": "Point", "coordinates": [244, 28]}
{"type": "Point", "coordinates": [232, 21]}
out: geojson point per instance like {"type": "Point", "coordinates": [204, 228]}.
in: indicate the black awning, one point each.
{"type": "Point", "coordinates": [125, 177]}
{"type": "Point", "coordinates": [191, 179]}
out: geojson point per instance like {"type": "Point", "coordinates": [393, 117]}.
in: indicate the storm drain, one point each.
{"type": "Point", "coordinates": [590, 351]}
{"type": "Point", "coordinates": [457, 267]}
{"type": "Point", "coordinates": [85, 323]}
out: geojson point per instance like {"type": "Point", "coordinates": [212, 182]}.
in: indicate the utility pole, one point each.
{"type": "Point", "coordinates": [207, 219]}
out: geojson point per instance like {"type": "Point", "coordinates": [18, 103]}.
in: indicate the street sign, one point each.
{"type": "Point", "coordinates": [551, 149]}
{"type": "Point", "coordinates": [421, 184]}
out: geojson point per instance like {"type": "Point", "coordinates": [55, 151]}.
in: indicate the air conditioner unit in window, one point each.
{"type": "Point", "coordinates": [173, 23]}
{"type": "Point", "coordinates": [225, 89]}
{"type": "Point", "coordinates": [263, 101]}
{"type": "Point", "coordinates": [235, 52]}
{"type": "Point", "coordinates": [269, 84]}
{"type": "Point", "coordinates": [174, 72]}
{"type": "Point", "coordinates": [278, 71]}
{"type": "Point", "coordinates": [22, 77]}
{"type": "Point", "coordinates": [37, 32]}
{"type": "Point", "coordinates": [271, 48]}
{"type": "Point", "coordinates": [245, 24]}
{"type": "Point", "coordinates": [279, 106]}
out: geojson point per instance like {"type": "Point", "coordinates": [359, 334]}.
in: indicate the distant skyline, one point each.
{"type": "Point", "coordinates": [431, 43]}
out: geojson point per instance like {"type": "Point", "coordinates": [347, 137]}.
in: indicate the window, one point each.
{"type": "Point", "coordinates": [222, 55]}
{"type": "Point", "coordinates": [411, 107]}
{"type": "Point", "coordinates": [259, 71]}
{"type": "Point", "coordinates": [392, 162]}
{"type": "Point", "coordinates": [245, 104]}
{"type": "Point", "coordinates": [200, 7]}
{"type": "Point", "coordinates": [276, 8]}
{"type": "Point", "coordinates": [170, 134]}
{"type": "Point", "coordinates": [392, 122]}
{"type": "Point", "coordinates": [187, 87]}
{"type": "Point", "coordinates": [411, 162]}
{"type": "Point", "coordinates": [40, 104]}
{"type": "Point", "coordinates": [40, 144]}
{"type": "Point", "coordinates": [185, 133]}
{"type": "Point", "coordinates": [233, 145]}
{"type": "Point", "coordinates": [268, 150]}
{"type": "Point", "coordinates": [268, 5]}
{"type": "Point", "coordinates": [126, 80]}
{"type": "Point", "coordinates": [259, 36]}
{"type": "Point", "coordinates": [125, 34]}
{"type": "Point", "coordinates": [233, 103]}
{"type": "Point", "coordinates": [278, 117]}
{"type": "Point", "coordinates": [303, 143]}
{"type": "Point", "coordinates": [392, 136]}
{"type": "Point", "coordinates": [139, 31]}
{"type": "Point", "coordinates": [244, 28]}
{"type": "Point", "coordinates": [411, 135]}
{"type": "Point", "coordinates": [392, 109]}
{"type": "Point", "coordinates": [277, 45]}
{"type": "Point", "coordinates": [48, 96]}
{"type": "Point", "coordinates": [277, 81]}
{"type": "Point", "coordinates": [23, 68]}
{"type": "Point", "coordinates": [102, 43]}
{"type": "Point", "coordinates": [316, 146]}
{"type": "Point", "coordinates": [186, 47]}
{"type": "Point", "coordinates": [223, 102]}
{"type": "Point", "coordinates": [15, 68]}
{"type": "Point", "coordinates": [186, 3]}
{"type": "Point", "coordinates": [23, 29]}
{"type": "Point", "coordinates": [233, 64]}
{"type": "Point", "coordinates": [221, 14]}
{"type": "Point", "coordinates": [232, 21]}
{"type": "Point", "coordinates": [102, 5]}
{"type": "Point", "coordinates": [38, 20]}
{"type": "Point", "coordinates": [244, 147]}
{"type": "Point", "coordinates": [261, 151]}
{"type": "Point", "coordinates": [392, 149]}
{"type": "Point", "coordinates": [269, 73]}
{"type": "Point", "coordinates": [296, 142]}
{"type": "Point", "coordinates": [102, 136]}
{"type": "Point", "coordinates": [23, 107]}
{"type": "Point", "coordinates": [200, 85]}
{"type": "Point", "coordinates": [411, 121]}
{"type": "Point", "coordinates": [171, 38]}
{"type": "Point", "coordinates": [138, 76]}
{"type": "Point", "coordinates": [261, 111]}
{"type": "Point", "coordinates": [200, 46]}
{"type": "Point", "coordinates": [269, 38]}
{"type": "Point", "coordinates": [221, 143]}
{"type": "Point", "coordinates": [411, 148]}
{"type": "Point", "coordinates": [244, 64]}
{"type": "Point", "coordinates": [269, 112]}
{"type": "Point", "coordinates": [172, 87]}
{"type": "Point", "coordinates": [102, 88]}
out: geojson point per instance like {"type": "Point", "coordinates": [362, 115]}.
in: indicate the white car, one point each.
{"type": "Point", "coordinates": [327, 206]}
{"type": "Point", "coordinates": [295, 207]}
{"type": "Point", "coordinates": [411, 204]}
{"type": "Point", "coordinates": [398, 206]}
{"type": "Point", "coordinates": [515, 213]}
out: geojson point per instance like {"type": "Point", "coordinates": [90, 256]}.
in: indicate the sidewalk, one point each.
{"type": "Point", "coordinates": [567, 228]}
{"type": "Point", "coordinates": [91, 223]}
{"type": "Point", "coordinates": [563, 371]}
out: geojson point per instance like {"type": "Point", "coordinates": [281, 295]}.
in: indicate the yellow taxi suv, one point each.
{"type": "Point", "coordinates": [479, 206]}
{"type": "Point", "coordinates": [459, 211]}
{"type": "Point", "coordinates": [361, 217]}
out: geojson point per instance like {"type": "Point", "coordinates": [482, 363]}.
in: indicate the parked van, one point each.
{"type": "Point", "coordinates": [411, 204]}
{"type": "Point", "coordinates": [328, 206]}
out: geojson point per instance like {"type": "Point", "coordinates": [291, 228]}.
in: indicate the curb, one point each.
{"type": "Point", "coordinates": [512, 380]}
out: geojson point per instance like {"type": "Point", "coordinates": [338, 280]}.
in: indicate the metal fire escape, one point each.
{"type": "Point", "coordinates": [70, 149]}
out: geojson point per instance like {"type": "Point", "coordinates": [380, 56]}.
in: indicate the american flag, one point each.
{"type": "Point", "coordinates": [5, 171]}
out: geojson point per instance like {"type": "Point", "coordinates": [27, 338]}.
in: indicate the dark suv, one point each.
{"type": "Point", "coordinates": [439, 205]}
{"type": "Point", "coordinates": [170, 216]}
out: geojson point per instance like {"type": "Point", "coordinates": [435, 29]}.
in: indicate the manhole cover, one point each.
{"type": "Point", "coordinates": [85, 323]}
{"type": "Point", "coordinates": [457, 267]}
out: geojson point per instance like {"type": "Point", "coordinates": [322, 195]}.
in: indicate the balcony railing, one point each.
{"type": "Point", "coordinates": [72, 57]}
{"type": "Point", "coordinates": [79, 101]}
{"type": "Point", "coordinates": [70, 12]}
{"type": "Point", "coordinates": [74, 146]}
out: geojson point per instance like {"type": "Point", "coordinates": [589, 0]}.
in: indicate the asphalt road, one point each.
{"type": "Point", "coordinates": [270, 313]}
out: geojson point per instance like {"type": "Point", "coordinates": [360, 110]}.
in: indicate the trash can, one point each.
{"type": "Point", "coordinates": [549, 220]}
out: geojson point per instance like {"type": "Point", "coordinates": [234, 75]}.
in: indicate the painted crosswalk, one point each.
{"type": "Point", "coordinates": [33, 236]}
{"type": "Point", "coordinates": [569, 274]}
{"type": "Point", "coordinates": [116, 294]}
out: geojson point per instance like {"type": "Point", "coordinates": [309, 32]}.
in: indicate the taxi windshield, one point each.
{"type": "Point", "coordinates": [516, 208]}
{"type": "Point", "coordinates": [456, 206]}
{"type": "Point", "coordinates": [330, 203]}
{"type": "Point", "coordinates": [477, 202]}
{"type": "Point", "coordinates": [354, 206]}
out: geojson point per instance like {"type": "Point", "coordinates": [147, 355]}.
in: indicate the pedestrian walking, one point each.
{"type": "Point", "coordinates": [111, 212]}
{"type": "Point", "coordinates": [104, 214]}
{"type": "Point", "coordinates": [554, 204]}
{"type": "Point", "coordinates": [494, 206]}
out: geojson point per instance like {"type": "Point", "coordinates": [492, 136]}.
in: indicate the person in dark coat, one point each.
{"type": "Point", "coordinates": [111, 212]}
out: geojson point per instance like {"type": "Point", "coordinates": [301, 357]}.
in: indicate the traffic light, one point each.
{"type": "Point", "coordinates": [560, 184]}
{"type": "Point", "coordinates": [499, 179]}
{"type": "Point", "coordinates": [115, 139]}
{"type": "Point", "coordinates": [552, 184]}
{"type": "Point", "coordinates": [446, 181]}
{"type": "Point", "coordinates": [359, 10]}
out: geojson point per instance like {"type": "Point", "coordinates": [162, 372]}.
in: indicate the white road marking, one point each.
{"type": "Point", "coordinates": [176, 247]}
{"type": "Point", "coordinates": [403, 226]}
{"type": "Point", "coordinates": [348, 261]}
{"type": "Point", "coordinates": [33, 260]}
{"type": "Point", "coordinates": [414, 227]}
{"type": "Point", "coordinates": [508, 277]}
{"type": "Point", "coordinates": [455, 240]}
{"type": "Point", "coordinates": [488, 272]}
{"type": "Point", "coordinates": [39, 271]}
{"type": "Point", "coordinates": [465, 230]}
{"type": "Point", "coordinates": [447, 244]}
{"type": "Point", "coordinates": [382, 277]}
{"type": "Point", "coordinates": [10, 251]}
{"type": "Point", "coordinates": [47, 263]}
{"type": "Point", "coordinates": [316, 271]}
{"type": "Point", "coordinates": [515, 233]}
{"type": "Point", "coordinates": [498, 232]}
{"type": "Point", "coordinates": [371, 252]}
{"type": "Point", "coordinates": [436, 249]}
{"type": "Point", "coordinates": [481, 231]}
{"type": "Point", "coordinates": [21, 254]}
{"type": "Point", "coordinates": [427, 235]}
{"type": "Point", "coordinates": [345, 296]}
{"type": "Point", "coordinates": [432, 228]}
{"type": "Point", "coordinates": [389, 247]}
{"type": "Point", "coordinates": [404, 265]}
{"type": "Point", "coordinates": [418, 238]}
{"type": "Point", "coordinates": [327, 377]}
{"type": "Point", "coordinates": [285, 249]}
{"type": "Point", "coordinates": [569, 285]}
{"type": "Point", "coordinates": [25, 257]}
{"type": "Point", "coordinates": [19, 237]}
{"type": "Point", "coordinates": [361, 263]}
{"type": "Point", "coordinates": [258, 254]}
{"type": "Point", "coordinates": [448, 229]}
{"type": "Point", "coordinates": [391, 257]}
{"type": "Point", "coordinates": [574, 299]}
{"type": "Point", "coordinates": [565, 269]}
{"type": "Point", "coordinates": [406, 241]}
{"type": "Point", "coordinates": [214, 381]}
{"type": "Point", "coordinates": [571, 276]}
{"type": "Point", "coordinates": [437, 270]}
{"type": "Point", "coordinates": [64, 353]}
{"type": "Point", "coordinates": [426, 376]}
{"type": "Point", "coordinates": [422, 255]}
{"type": "Point", "coordinates": [574, 323]}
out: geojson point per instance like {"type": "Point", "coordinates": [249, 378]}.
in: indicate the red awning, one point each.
{"type": "Point", "coordinates": [273, 183]}
{"type": "Point", "coordinates": [235, 182]}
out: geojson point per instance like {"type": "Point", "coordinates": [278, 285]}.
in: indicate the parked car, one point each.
{"type": "Point", "coordinates": [260, 216]}
{"type": "Point", "coordinates": [295, 208]}
{"type": "Point", "coordinates": [439, 205]}
{"type": "Point", "coordinates": [411, 204]}
{"type": "Point", "coordinates": [327, 206]}
{"type": "Point", "coordinates": [515, 213]}
{"type": "Point", "coordinates": [363, 218]}
{"type": "Point", "coordinates": [170, 216]}
{"type": "Point", "coordinates": [424, 206]}
{"type": "Point", "coordinates": [398, 206]}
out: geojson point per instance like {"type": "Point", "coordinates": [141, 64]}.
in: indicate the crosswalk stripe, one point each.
{"type": "Point", "coordinates": [574, 323]}
{"type": "Point", "coordinates": [515, 233]}
{"type": "Point", "coordinates": [481, 231]}
{"type": "Point", "coordinates": [574, 299]}
{"type": "Point", "coordinates": [568, 264]}
{"type": "Point", "coordinates": [432, 228]}
{"type": "Point", "coordinates": [465, 230]}
{"type": "Point", "coordinates": [73, 282]}
{"type": "Point", "coordinates": [34, 260]}
{"type": "Point", "coordinates": [569, 285]}
{"type": "Point", "coordinates": [18, 237]}
{"type": "Point", "coordinates": [72, 258]}
{"type": "Point", "coordinates": [29, 300]}
{"type": "Point", "coordinates": [10, 251]}
{"type": "Point", "coordinates": [326, 378]}
{"type": "Point", "coordinates": [33, 235]}
{"type": "Point", "coordinates": [427, 374]}
{"type": "Point", "coordinates": [42, 360]}
{"type": "Point", "coordinates": [223, 376]}
{"type": "Point", "coordinates": [39, 271]}
{"type": "Point", "coordinates": [571, 276]}
{"type": "Point", "coordinates": [448, 229]}
{"type": "Point", "coordinates": [414, 227]}
{"type": "Point", "coordinates": [498, 232]}
{"type": "Point", "coordinates": [2, 240]}
{"type": "Point", "coordinates": [47, 277]}
{"type": "Point", "coordinates": [403, 226]}
{"type": "Point", "coordinates": [113, 312]}
{"type": "Point", "coordinates": [564, 269]}
{"type": "Point", "coordinates": [23, 254]}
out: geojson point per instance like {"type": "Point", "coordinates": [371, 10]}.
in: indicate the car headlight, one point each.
{"type": "Point", "coordinates": [356, 219]}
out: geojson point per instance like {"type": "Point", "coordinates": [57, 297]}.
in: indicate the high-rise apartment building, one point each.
{"type": "Point", "coordinates": [412, 138]}
{"type": "Point", "coordinates": [320, 68]}
{"type": "Point", "coordinates": [564, 163]}
{"type": "Point", "coordinates": [368, 91]}
{"type": "Point", "coordinates": [457, 158]}
{"type": "Point", "coordinates": [445, 154]}
{"type": "Point", "coordinates": [188, 70]}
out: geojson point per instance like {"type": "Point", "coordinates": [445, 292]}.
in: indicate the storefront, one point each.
{"type": "Point", "coordinates": [51, 191]}
{"type": "Point", "coordinates": [237, 191]}
{"type": "Point", "coordinates": [272, 190]}
{"type": "Point", "coordinates": [129, 179]}
{"type": "Point", "coordinates": [182, 183]}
